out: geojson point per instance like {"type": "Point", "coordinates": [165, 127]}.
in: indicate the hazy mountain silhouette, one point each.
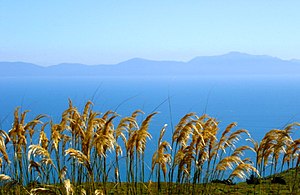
{"type": "Point", "coordinates": [233, 63]}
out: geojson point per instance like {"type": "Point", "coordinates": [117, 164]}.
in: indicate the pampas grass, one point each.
{"type": "Point", "coordinates": [83, 153]}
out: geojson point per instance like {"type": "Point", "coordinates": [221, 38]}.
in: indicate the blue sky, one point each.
{"type": "Point", "coordinates": [109, 31]}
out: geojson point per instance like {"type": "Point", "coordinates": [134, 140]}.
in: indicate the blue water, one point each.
{"type": "Point", "coordinates": [257, 104]}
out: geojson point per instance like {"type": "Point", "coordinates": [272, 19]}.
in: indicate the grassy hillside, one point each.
{"type": "Point", "coordinates": [266, 186]}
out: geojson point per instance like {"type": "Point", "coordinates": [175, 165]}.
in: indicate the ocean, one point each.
{"type": "Point", "coordinates": [256, 103]}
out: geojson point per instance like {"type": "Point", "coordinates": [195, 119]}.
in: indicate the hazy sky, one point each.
{"type": "Point", "coordinates": [109, 31]}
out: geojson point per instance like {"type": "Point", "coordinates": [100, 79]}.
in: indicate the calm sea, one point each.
{"type": "Point", "coordinates": [257, 104]}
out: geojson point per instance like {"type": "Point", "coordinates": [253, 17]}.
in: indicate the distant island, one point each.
{"type": "Point", "coordinates": [233, 63]}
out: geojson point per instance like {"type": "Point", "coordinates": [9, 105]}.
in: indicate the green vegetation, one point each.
{"type": "Point", "coordinates": [86, 150]}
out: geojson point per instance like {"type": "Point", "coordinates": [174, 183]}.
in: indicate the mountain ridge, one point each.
{"type": "Point", "coordinates": [232, 63]}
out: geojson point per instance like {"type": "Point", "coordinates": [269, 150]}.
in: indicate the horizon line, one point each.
{"type": "Point", "coordinates": [147, 59]}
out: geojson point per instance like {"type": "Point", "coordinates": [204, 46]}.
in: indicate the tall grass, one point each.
{"type": "Point", "coordinates": [86, 149]}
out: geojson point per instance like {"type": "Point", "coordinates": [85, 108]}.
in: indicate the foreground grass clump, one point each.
{"type": "Point", "coordinates": [85, 151]}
